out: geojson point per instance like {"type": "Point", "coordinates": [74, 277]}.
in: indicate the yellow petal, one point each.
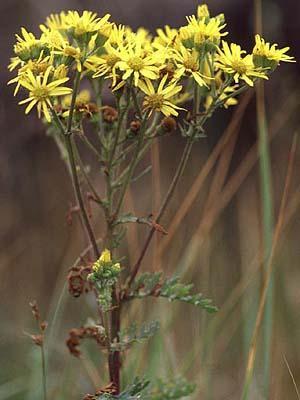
{"type": "Point", "coordinates": [30, 106]}
{"type": "Point", "coordinates": [105, 256]}
{"type": "Point", "coordinates": [46, 112]}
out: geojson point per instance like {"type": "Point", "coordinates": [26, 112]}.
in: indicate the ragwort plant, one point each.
{"type": "Point", "coordinates": [189, 70]}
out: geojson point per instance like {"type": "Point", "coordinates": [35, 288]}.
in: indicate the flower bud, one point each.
{"type": "Point", "coordinates": [135, 126]}
{"type": "Point", "coordinates": [169, 124]}
{"type": "Point", "coordinates": [110, 114]}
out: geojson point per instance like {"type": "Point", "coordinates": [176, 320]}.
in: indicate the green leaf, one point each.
{"type": "Point", "coordinates": [126, 218]}
{"type": "Point", "coordinates": [170, 390]}
{"type": "Point", "coordinates": [133, 392]}
{"type": "Point", "coordinates": [141, 389]}
{"type": "Point", "coordinates": [133, 334]}
{"type": "Point", "coordinates": [145, 284]}
{"type": "Point", "coordinates": [153, 285]}
{"type": "Point", "coordinates": [172, 289]}
{"type": "Point", "coordinates": [130, 218]}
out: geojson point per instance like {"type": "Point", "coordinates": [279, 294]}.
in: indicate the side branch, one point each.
{"type": "Point", "coordinates": [185, 156]}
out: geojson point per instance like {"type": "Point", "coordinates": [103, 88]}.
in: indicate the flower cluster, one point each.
{"type": "Point", "coordinates": [162, 69]}
{"type": "Point", "coordinates": [105, 271]}
{"type": "Point", "coordinates": [104, 275]}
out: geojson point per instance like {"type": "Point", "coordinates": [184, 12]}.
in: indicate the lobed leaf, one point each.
{"type": "Point", "coordinates": [152, 284]}
{"type": "Point", "coordinates": [133, 334]}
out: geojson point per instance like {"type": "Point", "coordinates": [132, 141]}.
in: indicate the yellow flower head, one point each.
{"type": "Point", "coordinates": [104, 65]}
{"type": "Point", "coordinates": [269, 56]}
{"type": "Point", "coordinates": [159, 99]}
{"type": "Point", "coordinates": [143, 35]}
{"type": "Point", "coordinates": [70, 54]}
{"type": "Point", "coordinates": [117, 35]}
{"type": "Point", "coordinates": [203, 11]}
{"type": "Point", "coordinates": [28, 46]}
{"type": "Point", "coordinates": [165, 37]}
{"type": "Point", "coordinates": [54, 38]}
{"type": "Point", "coordinates": [41, 91]}
{"type": "Point", "coordinates": [105, 256]}
{"type": "Point", "coordinates": [135, 63]}
{"type": "Point", "coordinates": [232, 61]}
{"type": "Point", "coordinates": [203, 30]}
{"type": "Point", "coordinates": [38, 67]}
{"type": "Point", "coordinates": [26, 40]}
{"type": "Point", "coordinates": [187, 63]}
{"type": "Point", "coordinates": [55, 22]}
{"type": "Point", "coordinates": [106, 266]}
{"type": "Point", "coordinates": [60, 72]}
{"type": "Point", "coordinates": [82, 97]}
{"type": "Point", "coordinates": [88, 22]}
{"type": "Point", "coordinates": [14, 63]}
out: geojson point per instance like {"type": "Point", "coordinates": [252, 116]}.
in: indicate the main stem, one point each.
{"type": "Point", "coordinates": [114, 357]}
{"type": "Point", "coordinates": [114, 363]}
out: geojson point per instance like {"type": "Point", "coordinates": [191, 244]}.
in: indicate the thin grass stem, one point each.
{"type": "Point", "coordinates": [262, 309]}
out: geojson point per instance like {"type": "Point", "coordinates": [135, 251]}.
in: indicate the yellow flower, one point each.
{"type": "Point", "coordinates": [142, 35]}
{"type": "Point", "coordinates": [203, 30]}
{"type": "Point", "coordinates": [28, 46]}
{"type": "Point", "coordinates": [14, 63]}
{"type": "Point", "coordinates": [40, 91]}
{"type": "Point", "coordinates": [159, 100]}
{"type": "Point", "coordinates": [165, 37]}
{"type": "Point", "coordinates": [105, 256]}
{"type": "Point", "coordinates": [25, 41]}
{"type": "Point", "coordinates": [187, 63]}
{"type": "Point", "coordinates": [82, 97]}
{"type": "Point", "coordinates": [53, 38]}
{"type": "Point", "coordinates": [203, 11]}
{"type": "Point", "coordinates": [55, 22]}
{"type": "Point", "coordinates": [106, 268]}
{"type": "Point", "coordinates": [133, 62]}
{"type": "Point", "coordinates": [231, 60]}
{"type": "Point", "coordinates": [117, 35]}
{"type": "Point", "coordinates": [88, 22]}
{"type": "Point", "coordinates": [70, 52]}
{"type": "Point", "coordinates": [230, 101]}
{"type": "Point", "coordinates": [105, 64]}
{"type": "Point", "coordinates": [38, 67]}
{"type": "Point", "coordinates": [60, 72]}
{"type": "Point", "coordinates": [264, 52]}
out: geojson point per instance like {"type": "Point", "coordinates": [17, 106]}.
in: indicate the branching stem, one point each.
{"type": "Point", "coordinates": [67, 134]}
{"type": "Point", "coordinates": [184, 158]}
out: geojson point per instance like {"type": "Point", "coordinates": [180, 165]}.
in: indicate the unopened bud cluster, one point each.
{"type": "Point", "coordinates": [105, 273]}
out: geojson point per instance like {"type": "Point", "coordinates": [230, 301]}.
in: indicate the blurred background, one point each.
{"type": "Point", "coordinates": [214, 222]}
